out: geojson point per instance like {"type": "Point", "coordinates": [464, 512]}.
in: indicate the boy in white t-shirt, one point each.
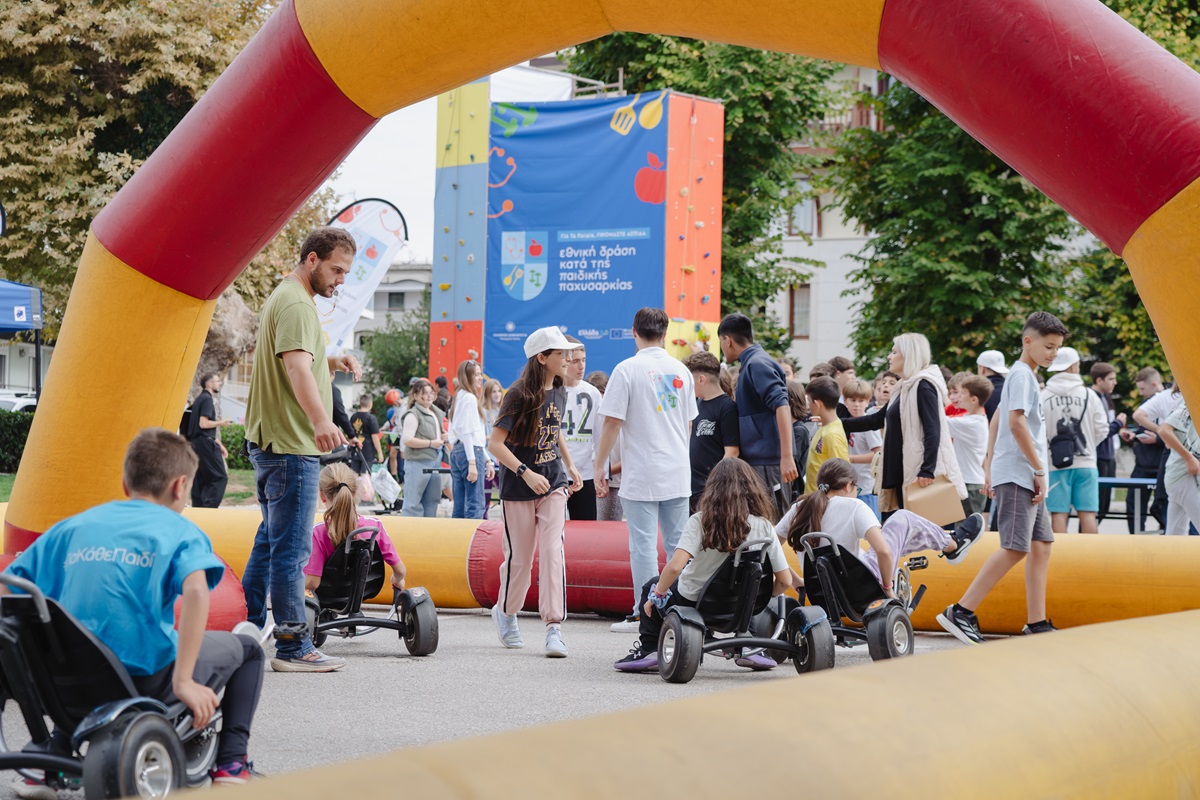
{"type": "Point", "coordinates": [863, 445]}
{"type": "Point", "coordinates": [651, 402]}
{"type": "Point", "coordinates": [578, 426]}
{"type": "Point", "coordinates": [970, 433]}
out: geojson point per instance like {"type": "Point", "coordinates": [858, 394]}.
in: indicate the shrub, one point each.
{"type": "Point", "coordinates": [14, 430]}
{"type": "Point", "coordinates": [234, 439]}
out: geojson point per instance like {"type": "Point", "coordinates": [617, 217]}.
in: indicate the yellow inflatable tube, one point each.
{"type": "Point", "coordinates": [1109, 711]}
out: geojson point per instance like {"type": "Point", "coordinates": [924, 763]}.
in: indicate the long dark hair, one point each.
{"type": "Point", "coordinates": [732, 495]}
{"type": "Point", "coordinates": [835, 474]}
{"type": "Point", "coordinates": [523, 401]}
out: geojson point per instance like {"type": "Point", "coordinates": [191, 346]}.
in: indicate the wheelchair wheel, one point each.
{"type": "Point", "coordinates": [421, 623]}
{"type": "Point", "coordinates": [890, 635]}
{"type": "Point", "coordinates": [680, 648]}
{"type": "Point", "coordinates": [816, 647]}
{"type": "Point", "coordinates": [136, 756]}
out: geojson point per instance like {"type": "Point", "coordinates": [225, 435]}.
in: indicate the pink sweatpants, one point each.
{"type": "Point", "coordinates": [530, 524]}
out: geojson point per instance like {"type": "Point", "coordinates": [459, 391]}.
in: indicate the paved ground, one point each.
{"type": "Point", "coordinates": [384, 699]}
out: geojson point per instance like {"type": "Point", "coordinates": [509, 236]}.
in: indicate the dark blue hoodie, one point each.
{"type": "Point", "coordinates": [761, 388]}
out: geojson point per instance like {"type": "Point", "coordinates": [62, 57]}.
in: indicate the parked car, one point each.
{"type": "Point", "coordinates": [18, 401]}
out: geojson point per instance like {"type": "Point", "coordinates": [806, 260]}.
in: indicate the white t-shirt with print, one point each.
{"type": "Point", "coordinates": [579, 426]}
{"type": "Point", "coordinates": [654, 395]}
{"type": "Point", "coordinates": [860, 443]}
{"type": "Point", "coordinates": [706, 562]}
{"type": "Point", "coordinates": [1020, 393]}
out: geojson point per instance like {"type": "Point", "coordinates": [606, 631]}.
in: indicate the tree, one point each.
{"type": "Point", "coordinates": [770, 99]}
{"type": "Point", "coordinates": [88, 90]}
{"type": "Point", "coordinates": [398, 351]}
{"type": "Point", "coordinates": [965, 247]}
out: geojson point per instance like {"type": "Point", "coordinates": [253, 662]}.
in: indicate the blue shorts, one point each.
{"type": "Point", "coordinates": [1078, 487]}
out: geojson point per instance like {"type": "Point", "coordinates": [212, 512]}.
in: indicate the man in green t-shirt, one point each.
{"type": "Point", "coordinates": [289, 424]}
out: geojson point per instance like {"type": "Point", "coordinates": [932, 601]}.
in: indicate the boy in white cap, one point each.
{"type": "Point", "coordinates": [990, 364]}
{"type": "Point", "coordinates": [1076, 421]}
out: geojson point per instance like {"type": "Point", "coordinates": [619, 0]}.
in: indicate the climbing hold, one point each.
{"type": "Point", "coordinates": [445, 258]}
{"type": "Point", "coordinates": [458, 325]}
{"type": "Point", "coordinates": [691, 209]}
{"type": "Point", "coordinates": [682, 296]}
{"type": "Point", "coordinates": [471, 213]}
{"type": "Point", "coordinates": [443, 286]}
{"type": "Point", "coordinates": [442, 370]}
{"type": "Point", "coordinates": [468, 298]}
{"type": "Point", "coordinates": [472, 157]}
{"type": "Point", "coordinates": [688, 268]}
{"type": "Point", "coordinates": [701, 178]}
{"type": "Point", "coordinates": [681, 237]}
{"type": "Point", "coordinates": [703, 300]}
{"type": "Point", "coordinates": [445, 229]}
{"type": "Point", "coordinates": [699, 224]}
{"type": "Point", "coordinates": [461, 242]}
{"type": "Point", "coordinates": [683, 192]}
{"type": "Point", "coordinates": [443, 313]}
{"type": "Point", "coordinates": [706, 255]}
{"type": "Point", "coordinates": [443, 341]}
{"type": "Point", "coordinates": [470, 258]}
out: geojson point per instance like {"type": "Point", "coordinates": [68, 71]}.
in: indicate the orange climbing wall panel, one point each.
{"type": "Point", "coordinates": [451, 343]}
{"type": "Point", "coordinates": [695, 168]}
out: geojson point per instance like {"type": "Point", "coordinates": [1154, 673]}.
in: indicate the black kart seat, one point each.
{"type": "Point", "coordinates": [354, 572]}
{"type": "Point", "coordinates": [738, 590]}
{"type": "Point", "coordinates": [838, 581]}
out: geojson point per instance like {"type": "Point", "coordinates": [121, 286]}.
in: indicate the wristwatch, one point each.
{"type": "Point", "coordinates": [1037, 473]}
{"type": "Point", "coordinates": [521, 470]}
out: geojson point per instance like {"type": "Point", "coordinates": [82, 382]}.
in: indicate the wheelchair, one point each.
{"type": "Point", "coordinates": [107, 737]}
{"type": "Point", "coordinates": [356, 571]}
{"type": "Point", "coordinates": [859, 610]}
{"type": "Point", "coordinates": [728, 604]}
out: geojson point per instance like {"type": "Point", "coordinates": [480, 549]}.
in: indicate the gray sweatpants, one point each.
{"type": "Point", "coordinates": [907, 533]}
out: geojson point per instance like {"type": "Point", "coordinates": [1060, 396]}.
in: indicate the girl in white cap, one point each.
{"type": "Point", "coordinates": [527, 441]}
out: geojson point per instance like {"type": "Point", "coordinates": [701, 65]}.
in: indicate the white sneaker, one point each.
{"type": "Point", "coordinates": [630, 624]}
{"type": "Point", "coordinates": [555, 648]}
{"type": "Point", "coordinates": [507, 630]}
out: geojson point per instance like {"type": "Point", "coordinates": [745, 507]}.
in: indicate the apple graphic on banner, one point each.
{"type": "Point", "coordinates": [348, 214]}
{"type": "Point", "coordinates": [372, 253]}
{"type": "Point", "coordinates": [650, 184]}
{"type": "Point", "coordinates": [535, 249]}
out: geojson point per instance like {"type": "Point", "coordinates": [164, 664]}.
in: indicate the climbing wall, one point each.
{"type": "Point", "coordinates": [460, 235]}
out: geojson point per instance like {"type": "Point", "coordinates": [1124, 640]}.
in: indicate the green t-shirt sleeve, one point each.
{"type": "Point", "coordinates": [296, 328]}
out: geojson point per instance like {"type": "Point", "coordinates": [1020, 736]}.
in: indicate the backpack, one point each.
{"type": "Point", "coordinates": [1069, 441]}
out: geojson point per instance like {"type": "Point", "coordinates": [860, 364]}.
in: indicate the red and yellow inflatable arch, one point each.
{"type": "Point", "coordinates": [1095, 114]}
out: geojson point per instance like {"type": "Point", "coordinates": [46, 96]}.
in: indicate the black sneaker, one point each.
{"type": "Point", "coordinates": [965, 535]}
{"type": "Point", "coordinates": [963, 625]}
{"type": "Point", "coordinates": [1045, 626]}
{"type": "Point", "coordinates": [638, 660]}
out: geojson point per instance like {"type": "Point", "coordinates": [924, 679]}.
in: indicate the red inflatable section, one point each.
{"type": "Point", "coordinates": [598, 575]}
{"type": "Point", "coordinates": [1085, 106]}
{"type": "Point", "coordinates": [227, 603]}
{"type": "Point", "coordinates": [284, 125]}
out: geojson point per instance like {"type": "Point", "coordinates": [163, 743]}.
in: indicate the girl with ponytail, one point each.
{"type": "Point", "coordinates": [336, 490]}
{"type": "Point", "coordinates": [835, 510]}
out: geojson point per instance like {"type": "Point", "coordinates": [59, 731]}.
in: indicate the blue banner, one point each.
{"type": "Point", "coordinates": [20, 307]}
{"type": "Point", "coordinates": [576, 219]}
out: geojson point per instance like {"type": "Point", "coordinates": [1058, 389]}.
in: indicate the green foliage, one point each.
{"type": "Point", "coordinates": [396, 352]}
{"type": "Point", "coordinates": [234, 439]}
{"type": "Point", "coordinates": [1107, 320]}
{"type": "Point", "coordinates": [14, 430]}
{"type": "Point", "coordinates": [965, 248]}
{"type": "Point", "coordinates": [770, 99]}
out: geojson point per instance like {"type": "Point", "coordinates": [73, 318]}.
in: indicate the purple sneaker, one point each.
{"type": "Point", "coordinates": [759, 662]}
{"type": "Point", "coordinates": [637, 661]}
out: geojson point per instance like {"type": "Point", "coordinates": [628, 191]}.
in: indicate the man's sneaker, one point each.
{"type": "Point", "coordinates": [316, 661]}
{"type": "Point", "coordinates": [965, 535]}
{"type": "Point", "coordinates": [1045, 626]}
{"type": "Point", "coordinates": [631, 624]}
{"type": "Point", "coordinates": [507, 630]}
{"type": "Point", "coordinates": [962, 624]}
{"type": "Point", "coordinates": [759, 662]}
{"type": "Point", "coordinates": [637, 661]}
{"type": "Point", "coordinates": [554, 644]}
{"type": "Point", "coordinates": [233, 774]}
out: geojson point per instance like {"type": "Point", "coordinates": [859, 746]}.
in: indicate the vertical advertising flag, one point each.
{"type": "Point", "coordinates": [576, 221]}
{"type": "Point", "coordinates": [380, 231]}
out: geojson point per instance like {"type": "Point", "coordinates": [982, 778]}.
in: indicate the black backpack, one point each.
{"type": "Point", "coordinates": [1069, 441]}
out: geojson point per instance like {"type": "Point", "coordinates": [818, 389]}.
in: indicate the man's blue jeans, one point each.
{"type": "Point", "coordinates": [287, 495]}
{"type": "Point", "coordinates": [468, 497]}
{"type": "Point", "coordinates": [644, 518]}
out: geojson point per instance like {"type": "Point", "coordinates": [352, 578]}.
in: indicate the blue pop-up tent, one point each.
{"type": "Point", "coordinates": [21, 310]}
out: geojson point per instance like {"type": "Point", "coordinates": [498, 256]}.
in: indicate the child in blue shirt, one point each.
{"type": "Point", "coordinates": [118, 569]}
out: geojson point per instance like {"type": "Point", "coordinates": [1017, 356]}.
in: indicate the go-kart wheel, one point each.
{"type": "Point", "coordinates": [764, 623]}
{"type": "Point", "coordinates": [816, 647]}
{"type": "Point", "coordinates": [680, 648]}
{"type": "Point", "coordinates": [903, 587]}
{"type": "Point", "coordinates": [136, 756]}
{"type": "Point", "coordinates": [311, 616]}
{"type": "Point", "coordinates": [421, 622]}
{"type": "Point", "coordinates": [199, 755]}
{"type": "Point", "coordinates": [890, 634]}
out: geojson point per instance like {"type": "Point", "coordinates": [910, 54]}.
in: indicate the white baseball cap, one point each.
{"type": "Point", "coordinates": [993, 360]}
{"type": "Point", "coordinates": [544, 339]}
{"type": "Point", "coordinates": [1065, 358]}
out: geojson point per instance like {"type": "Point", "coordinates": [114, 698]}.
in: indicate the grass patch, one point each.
{"type": "Point", "coordinates": [6, 483]}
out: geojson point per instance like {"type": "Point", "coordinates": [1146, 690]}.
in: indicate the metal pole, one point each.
{"type": "Point", "coordinates": [37, 364]}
